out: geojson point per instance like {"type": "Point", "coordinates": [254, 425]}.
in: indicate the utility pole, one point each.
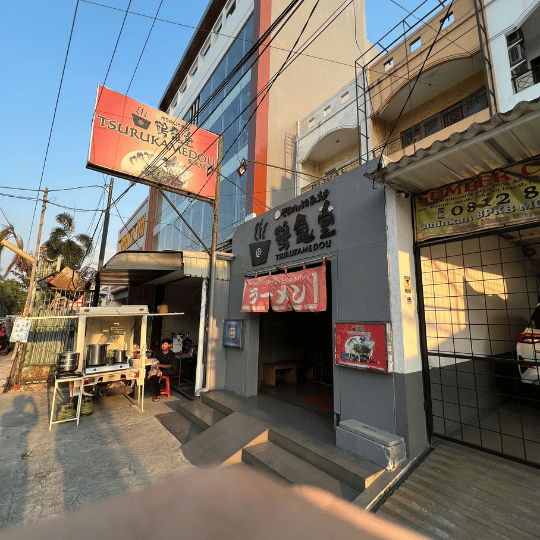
{"type": "Point", "coordinates": [202, 359]}
{"type": "Point", "coordinates": [31, 285]}
{"type": "Point", "coordinates": [103, 243]}
{"type": "Point", "coordinates": [18, 357]}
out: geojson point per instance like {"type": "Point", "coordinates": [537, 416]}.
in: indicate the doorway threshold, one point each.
{"type": "Point", "coordinates": [316, 397]}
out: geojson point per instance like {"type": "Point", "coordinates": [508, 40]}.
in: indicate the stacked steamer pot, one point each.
{"type": "Point", "coordinates": [67, 363]}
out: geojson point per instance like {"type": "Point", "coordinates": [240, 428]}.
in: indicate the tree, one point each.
{"type": "Point", "coordinates": [18, 265]}
{"type": "Point", "coordinates": [73, 248]}
{"type": "Point", "coordinates": [13, 295]}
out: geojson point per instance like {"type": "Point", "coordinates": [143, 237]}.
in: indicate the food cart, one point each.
{"type": "Point", "coordinates": [119, 334]}
{"type": "Point", "coordinates": [111, 345]}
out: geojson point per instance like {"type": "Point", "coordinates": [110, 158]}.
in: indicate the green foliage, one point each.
{"type": "Point", "coordinates": [62, 241]}
{"type": "Point", "coordinates": [18, 266]}
{"type": "Point", "coordinates": [13, 295]}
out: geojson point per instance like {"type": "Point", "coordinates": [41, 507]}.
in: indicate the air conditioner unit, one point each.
{"type": "Point", "coordinates": [517, 55]}
{"type": "Point", "coordinates": [514, 37]}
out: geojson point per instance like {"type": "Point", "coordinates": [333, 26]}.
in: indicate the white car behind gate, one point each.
{"type": "Point", "coordinates": [528, 350]}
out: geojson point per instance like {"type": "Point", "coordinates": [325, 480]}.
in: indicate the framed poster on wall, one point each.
{"type": "Point", "coordinates": [233, 333]}
{"type": "Point", "coordinates": [362, 345]}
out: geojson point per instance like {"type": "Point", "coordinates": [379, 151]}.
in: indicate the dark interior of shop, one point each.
{"type": "Point", "coordinates": [304, 342]}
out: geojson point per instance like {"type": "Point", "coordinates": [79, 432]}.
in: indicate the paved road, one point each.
{"type": "Point", "coordinates": [114, 450]}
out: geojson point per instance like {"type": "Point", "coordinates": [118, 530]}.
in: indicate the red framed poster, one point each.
{"type": "Point", "coordinates": [362, 345]}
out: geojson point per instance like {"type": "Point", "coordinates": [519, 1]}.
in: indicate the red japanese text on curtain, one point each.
{"type": "Point", "coordinates": [299, 291]}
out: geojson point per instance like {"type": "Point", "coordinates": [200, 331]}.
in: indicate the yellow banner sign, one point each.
{"type": "Point", "coordinates": [501, 198]}
{"type": "Point", "coordinates": [133, 234]}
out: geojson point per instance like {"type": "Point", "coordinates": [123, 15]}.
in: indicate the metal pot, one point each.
{"type": "Point", "coordinates": [118, 356]}
{"type": "Point", "coordinates": [67, 362]}
{"type": "Point", "coordinates": [96, 355]}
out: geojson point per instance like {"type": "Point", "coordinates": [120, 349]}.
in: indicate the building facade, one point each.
{"type": "Point", "coordinates": [514, 37]}
{"type": "Point", "coordinates": [257, 110]}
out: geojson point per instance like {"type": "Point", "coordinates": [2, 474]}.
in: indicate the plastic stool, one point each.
{"type": "Point", "coordinates": [167, 390]}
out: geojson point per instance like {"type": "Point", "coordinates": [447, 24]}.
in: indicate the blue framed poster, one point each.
{"type": "Point", "coordinates": [233, 333]}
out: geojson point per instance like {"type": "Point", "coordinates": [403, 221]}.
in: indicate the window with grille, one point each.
{"type": "Point", "coordinates": [445, 118]}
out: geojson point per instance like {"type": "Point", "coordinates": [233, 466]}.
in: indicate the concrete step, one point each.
{"type": "Point", "coordinates": [179, 426]}
{"type": "Point", "coordinates": [199, 414]}
{"type": "Point", "coordinates": [223, 409]}
{"type": "Point", "coordinates": [222, 443]}
{"type": "Point", "coordinates": [275, 460]}
{"type": "Point", "coordinates": [344, 467]}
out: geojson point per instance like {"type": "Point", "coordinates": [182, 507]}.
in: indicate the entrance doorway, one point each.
{"type": "Point", "coordinates": [479, 295]}
{"type": "Point", "coordinates": [296, 356]}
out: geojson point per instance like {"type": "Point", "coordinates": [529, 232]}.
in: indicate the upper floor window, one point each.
{"type": "Point", "coordinates": [389, 64]}
{"type": "Point", "coordinates": [447, 21]}
{"type": "Point", "coordinates": [416, 44]}
{"type": "Point", "coordinates": [230, 10]}
{"type": "Point", "coordinates": [516, 48]}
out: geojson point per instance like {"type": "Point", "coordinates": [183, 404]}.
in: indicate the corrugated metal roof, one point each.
{"type": "Point", "coordinates": [158, 267]}
{"type": "Point", "coordinates": [504, 139]}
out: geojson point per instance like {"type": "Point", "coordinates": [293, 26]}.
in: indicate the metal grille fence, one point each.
{"type": "Point", "coordinates": [49, 336]}
{"type": "Point", "coordinates": [478, 297]}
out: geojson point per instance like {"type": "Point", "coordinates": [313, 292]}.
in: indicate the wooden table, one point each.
{"type": "Point", "coordinates": [289, 373]}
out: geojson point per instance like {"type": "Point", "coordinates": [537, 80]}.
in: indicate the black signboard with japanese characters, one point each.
{"type": "Point", "coordinates": [301, 229]}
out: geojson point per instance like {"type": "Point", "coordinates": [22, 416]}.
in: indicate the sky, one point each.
{"type": "Point", "coordinates": [48, 102]}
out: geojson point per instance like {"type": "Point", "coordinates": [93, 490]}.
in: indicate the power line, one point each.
{"type": "Point", "coordinates": [228, 78]}
{"type": "Point", "coordinates": [144, 47]}
{"type": "Point", "coordinates": [267, 87]}
{"type": "Point", "coordinates": [211, 31]}
{"type": "Point", "coordinates": [54, 116]}
{"type": "Point", "coordinates": [286, 14]}
{"type": "Point", "coordinates": [116, 45]}
{"type": "Point", "coordinates": [285, 65]}
{"type": "Point", "coordinates": [414, 85]}
{"type": "Point", "coordinates": [42, 190]}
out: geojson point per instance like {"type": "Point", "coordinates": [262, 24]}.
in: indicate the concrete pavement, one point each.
{"type": "Point", "coordinates": [115, 450]}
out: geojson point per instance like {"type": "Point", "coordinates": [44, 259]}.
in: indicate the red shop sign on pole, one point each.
{"type": "Point", "coordinates": [295, 291]}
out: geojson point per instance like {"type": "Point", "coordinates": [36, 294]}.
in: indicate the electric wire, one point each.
{"type": "Point", "coordinates": [116, 45]}
{"type": "Point", "coordinates": [427, 24]}
{"type": "Point", "coordinates": [89, 228]}
{"type": "Point", "coordinates": [211, 31]}
{"type": "Point", "coordinates": [144, 47]}
{"type": "Point", "coordinates": [50, 190]}
{"type": "Point", "coordinates": [267, 87]}
{"type": "Point", "coordinates": [414, 86]}
{"type": "Point", "coordinates": [151, 167]}
{"type": "Point", "coordinates": [209, 101]}
{"type": "Point", "coordinates": [220, 87]}
{"type": "Point", "coordinates": [53, 118]}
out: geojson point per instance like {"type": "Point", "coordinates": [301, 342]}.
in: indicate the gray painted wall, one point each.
{"type": "Point", "coordinates": [360, 293]}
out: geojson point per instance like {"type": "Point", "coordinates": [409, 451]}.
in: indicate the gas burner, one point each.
{"type": "Point", "coordinates": [107, 368]}
{"type": "Point", "coordinates": [65, 375]}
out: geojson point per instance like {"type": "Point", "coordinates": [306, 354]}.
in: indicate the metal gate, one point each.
{"type": "Point", "coordinates": [478, 295]}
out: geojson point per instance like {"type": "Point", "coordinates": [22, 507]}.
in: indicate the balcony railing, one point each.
{"type": "Point", "coordinates": [331, 174]}
{"type": "Point", "coordinates": [526, 79]}
{"type": "Point", "coordinates": [432, 125]}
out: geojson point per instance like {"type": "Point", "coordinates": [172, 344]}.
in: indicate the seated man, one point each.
{"type": "Point", "coordinates": [167, 364]}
